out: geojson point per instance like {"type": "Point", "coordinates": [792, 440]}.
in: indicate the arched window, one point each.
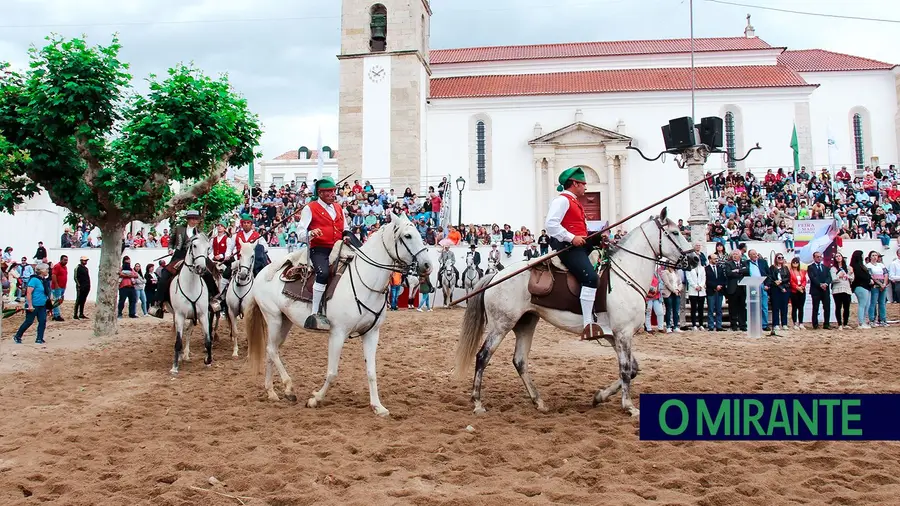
{"type": "Point", "coordinates": [858, 142]}
{"type": "Point", "coordinates": [303, 153]}
{"type": "Point", "coordinates": [327, 152]}
{"type": "Point", "coordinates": [480, 152]}
{"type": "Point", "coordinates": [730, 139]}
{"type": "Point", "coordinates": [378, 28]}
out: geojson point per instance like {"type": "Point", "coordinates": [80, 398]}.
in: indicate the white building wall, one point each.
{"type": "Point", "coordinates": [838, 93]}
{"type": "Point", "coordinates": [376, 134]}
{"type": "Point", "coordinates": [768, 117]}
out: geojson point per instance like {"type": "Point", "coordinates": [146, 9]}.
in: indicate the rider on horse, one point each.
{"type": "Point", "coordinates": [322, 223]}
{"type": "Point", "coordinates": [494, 257]}
{"type": "Point", "coordinates": [446, 258]}
{"type": "Point", "coordinates": [223, 249]}
{"type": "Point", "coordinates": [182, 236]}
{"type": "Point", "coordinates": [476, 260]}
{"type": "Point", "coordinates": [566, 224]}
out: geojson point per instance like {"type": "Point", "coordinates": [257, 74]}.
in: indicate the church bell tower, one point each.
{"type": "Point", "coordinates": [383, 90]}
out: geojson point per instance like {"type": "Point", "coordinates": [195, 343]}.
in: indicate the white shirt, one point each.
{"type": "Point", "coordinates": [245, 238]}
{"type": "Point", "coordinates": [306, 219]}
{"type": "Point", "coordinates": [894, 270]}
{"type": "Point", "coordinates": [558, 208]}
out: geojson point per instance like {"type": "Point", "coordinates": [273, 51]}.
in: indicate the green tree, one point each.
{"type": "Point", "coordinates": [109, 154]}
{"type": "Point", "coordinates": [221, 200]}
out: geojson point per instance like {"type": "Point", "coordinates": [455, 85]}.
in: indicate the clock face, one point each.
{"type": "Point", "coordinates": [376, 73]}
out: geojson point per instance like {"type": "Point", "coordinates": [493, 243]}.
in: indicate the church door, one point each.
{"type": "Point", "coordinates": [591, 203]}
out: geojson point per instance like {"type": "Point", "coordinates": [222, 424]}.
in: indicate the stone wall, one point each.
{"type": "Point", "coordinates": [804, 133]}
{"type": "Point", "coordinates": [350, 115]}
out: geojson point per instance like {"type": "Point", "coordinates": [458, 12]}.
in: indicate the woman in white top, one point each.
{"type": "Point", "coordinates": [879, 275]}
{"type": "Point", "coordinates": [696, 290]}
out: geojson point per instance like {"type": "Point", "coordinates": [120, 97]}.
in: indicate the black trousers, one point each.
{"type": "Point", "coordinates": [696, 310]}
{"type": "Point", "coordinates": [319, 257]}
{"type": "Point", "coordinates": [842, 307]}
{"type": "Point", "coordinates": [824, 299]}
{"type": "Point", "coordinates": [80, 298]}
{"type": "Point", "coordinates": [737, 309]}
{"type": "Point", "coordinates": [578, 262]}
{"type": "Point", "coordinates": [798, 300]}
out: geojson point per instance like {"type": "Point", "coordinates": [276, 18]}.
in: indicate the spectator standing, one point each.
{"type": "Point", "coordinates": [150, 281]}
{"type": "Point", "coordinates": [780, 288]}
{"type": "Point", "coordinates": [544, 242]}
{"type": "Point", "coordinates": [58, 280]}
{"type": "Point", "coordinates": [878, 301]}
{"type": "Point", "coordinates": [819, 288]}
{"type": "Point", "coordinates": [735, 270]}
{"type": "Point", "coordinates": [798, 293]}
{"type": "Point", "coordinates": [841, 277]}
{"type": "Point", "coordinates": [715, 292]}
{"type": "Point", "coordinates": [396, 288]}
{"type": "Point", "coordinates": [126, 288]}
{"type": "Point", "coordinates": [894, 277]}
{"type": "Point", "coordinates": [654, 304]}
{"type": "Point", "coordinates": [862, 287]}
{"type": "Point", "coordinates": [37, 297]}
{"type": "Point", "coordinates": [140, 284]}
{"type": "Point", "coordinates": [82, 288]}
{"type": "Point", "coordinates": [425, 290]}
{"type": "Point", "coordinates": [696, 289]}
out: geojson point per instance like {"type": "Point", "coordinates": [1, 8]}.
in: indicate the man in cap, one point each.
{"type": "Point", "coordinates": [223, 251]}
{"type": "Point", "coordinates": [566, 225]}
{"type": "Point", "coordinates": [447, 258]}
{"type": "Point", "coordinates": [246, 234]}
{"type": "Point", "coordinates": [322, 224]}
{"type": "Point", "coordinates": [181, 237]}
{"type": "Point", "coordinates": [82, 287]}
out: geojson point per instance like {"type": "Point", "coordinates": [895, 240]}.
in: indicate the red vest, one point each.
{"type": "Point", "coordinates": [220, 246]}
{"type": "Point", "coordinates": [574, 220]}
{"type": "Point", "coordinates": [332, 229]}
{"type": "Point", "coordinates": [239, 240]}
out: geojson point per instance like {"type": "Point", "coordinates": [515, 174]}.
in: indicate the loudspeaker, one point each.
{"type": "Point", "coordinates": [681, 131]}
{"type": "Point", "coordinates": [711, 132]}
{"type": "Point", "coordinates": [667, 137]}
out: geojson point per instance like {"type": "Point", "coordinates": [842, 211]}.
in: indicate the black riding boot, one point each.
{"type": "Point", "coordinates": [213, 286]}
{"type": "Point", "coordinates": [162, 294]}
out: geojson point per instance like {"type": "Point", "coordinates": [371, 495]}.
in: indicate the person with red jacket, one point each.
{"type": "Point", "coordinates": [322, 224]}
{"type": "Point", "coordinates": [246, 234]}
{"type": "Point", "coordinates": [566, 225]}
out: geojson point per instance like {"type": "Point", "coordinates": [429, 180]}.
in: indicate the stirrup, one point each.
{"type": "Point", "coordinates": [157, 311]}
{"type": "Point", "coordinates": [592, 332]}
{"type": "Point", "coordinates": [317, 322]}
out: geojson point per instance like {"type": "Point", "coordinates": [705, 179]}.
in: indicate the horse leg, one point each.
{"type": "Point", "coordinates": [335, 345]}
{"type": "Point", "coordinates": [232, 320]}
{"type": "Point", "coordinates": [179, 343]}
{"type": "Point", "coordinates": [524, 331]}
{"type": "Point", "coordinates": [278, 331]}
{"type": "Point", "coordinates": [370, 346]}
{"type": "Point", "coordinates": [207, 339]}
{"type": "Point", "coordinates": [188, 326]}
{"type": "Point", "coordinates": [494, 338]}
{"type": "Point", "coordinates": [627, 372]}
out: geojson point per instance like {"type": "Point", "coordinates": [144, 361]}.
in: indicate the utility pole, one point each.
{"type": "Point", "coordinates": [695, 157]}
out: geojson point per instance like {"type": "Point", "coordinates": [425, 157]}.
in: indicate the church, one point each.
{"type": "Point", "coordinates": [509, 119]}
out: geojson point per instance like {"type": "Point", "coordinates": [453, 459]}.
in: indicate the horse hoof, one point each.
{"type": "Point", "coordinates": [312, 403]}
{"type": "Point", "coordinates": [235, 355]}
{"type": "Point", "coordinates": [542, 408]}
{"type": "Point", "coordinates": [635, 412]}
{"type": "Point", "coordinates": [479, 410]}
{"type": "Point", "coordinates": [381, 411]}
{"type": "Point", "coordinates": [290, 397]}
{"type": "Point", "coordinates": [272, 396]}
{"type": "Point", "coordinates": [173, 371]}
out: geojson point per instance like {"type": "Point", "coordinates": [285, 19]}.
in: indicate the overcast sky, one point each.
{"type": "Point", "coordinates": [281, 53]}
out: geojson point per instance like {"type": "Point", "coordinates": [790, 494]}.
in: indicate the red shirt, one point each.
{"type": "Point", "coordinates": [60, 274]}
{"type": "Point", "coordinates": [164, 241]}
{"type": "Point", "coordinates": [435, 204]}
{"type": "Point", "coordinates": [574, 220]}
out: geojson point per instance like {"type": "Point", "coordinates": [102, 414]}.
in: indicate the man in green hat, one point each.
{"type": "Point", "coordinates": [322, 224]}
{"type": "Point", "coordinates": [567, 226]}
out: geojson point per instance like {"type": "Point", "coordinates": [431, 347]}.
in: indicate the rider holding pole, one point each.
{"type": "Point", "coordinates": [566, 225]}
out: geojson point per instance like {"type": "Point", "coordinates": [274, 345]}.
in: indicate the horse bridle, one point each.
{"type": "Point", "coordinates": [237, 283]}
{"type": "Point", "coordinates": [681, 263]}
{"type": "Point", "coordinates": [194, 265]}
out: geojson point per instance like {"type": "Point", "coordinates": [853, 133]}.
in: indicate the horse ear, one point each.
{"type": "Point", "coordinates": [663, 215]}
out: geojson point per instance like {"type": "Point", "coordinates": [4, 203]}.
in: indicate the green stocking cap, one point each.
{"type": "Point", "coordinates": [326, 183]}
{"type": "Point", "coordinates": [575, 173]}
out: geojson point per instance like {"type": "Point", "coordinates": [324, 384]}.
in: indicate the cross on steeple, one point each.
{"type": "Point", "coordinates": [749, 31]}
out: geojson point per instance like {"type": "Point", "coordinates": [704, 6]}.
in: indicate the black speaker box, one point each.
{"type": "Point", "coordinates": [711, 131]}
{"type": "Point", "coordinates": [682, 132]}
{"type": "Point", "coordinates": [667, 137]}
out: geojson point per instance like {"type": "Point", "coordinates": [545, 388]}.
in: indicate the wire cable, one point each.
{"type": "Point", "coordinates": [805, 13]}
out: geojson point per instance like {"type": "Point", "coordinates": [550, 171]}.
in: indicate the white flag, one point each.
{"type": "Point", "coordinates": [320, 162]}
{"type": "Point", "coordinates": [833, 151]}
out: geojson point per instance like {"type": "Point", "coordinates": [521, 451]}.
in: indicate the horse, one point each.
{"type": "Point", "coordinates": [189, 300]}
{"type": "Point", "coordinates": [238, 289]}
{"type": "Point", "coordinates": [470, 276]}
{"type": "Point", "coordinates": [411, 281]}
{"type": "Point", "coordinates": [448, 282]}
{"type": "Point", "coordinates": [357, 305]}
{"type": "Point", "coordinates": [493, 267]}
{"type": "Point", "coordinates": [507, 306]}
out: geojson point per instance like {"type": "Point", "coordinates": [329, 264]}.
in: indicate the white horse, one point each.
{"type": "Point", "coordinates": [507, 306]}
{"type": "Point", "coordinates": [470, 276]}
{"type": "Point", "coordinates": [237, 293]}
{"type": "Point", "coordinates": [189, 298]}
{"type": "Point", "coordinates": [448, 282]}
{"type": "Point", "coordinates": [358, 305]}
{"type": "Point", "coordinates": [412, 288]}
{"type": "Point", "coordinates": [492, 267]}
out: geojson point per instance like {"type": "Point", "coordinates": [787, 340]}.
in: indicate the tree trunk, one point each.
{"type": "Point", "coordinates": [105, 323]}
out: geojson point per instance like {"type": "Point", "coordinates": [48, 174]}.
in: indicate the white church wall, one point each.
{"type": "Point", "coordinates": [768, 117]}
{"type": "Point", "coordinates": [832, 102]}
{"type": "Point", "coordinates": [39, 219]}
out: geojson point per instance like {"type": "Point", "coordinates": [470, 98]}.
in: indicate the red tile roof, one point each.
{"type": "Point", "coordinates": [584, 49]}
{"type": "Point", "coordinates": [819, 60]}
{"type": "Point", "coordinates": [313, 155]}
{"type": "Point", "coordinates": [606, 81]}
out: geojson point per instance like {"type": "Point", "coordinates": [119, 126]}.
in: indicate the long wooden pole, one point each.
{"type": "Point", "coordinates": [550, 255]}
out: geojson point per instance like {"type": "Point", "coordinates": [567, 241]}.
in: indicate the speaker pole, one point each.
{"type": "Point", "coordinates": [693, 77]}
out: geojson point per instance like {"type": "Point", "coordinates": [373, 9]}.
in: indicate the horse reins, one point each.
{"type": "Point", "coordinates": [629, 280]}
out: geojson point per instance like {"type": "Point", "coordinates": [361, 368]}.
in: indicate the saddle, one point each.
{"type": "Point", "coordinates": [299, 276]}
{"type": "Point", "coordinates": [175, 267]}
{"type": "Point", "coordinates": [551, 285]}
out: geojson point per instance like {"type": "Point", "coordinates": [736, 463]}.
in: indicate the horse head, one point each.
{"type": "Point", "coordinates": [198, 249]}
{"type": "Point", "coordinates": [670, 243]}
{"type": "Point", "coordinates": [244, 270]}
{"type": "Point", "coordinates": [408, 247]}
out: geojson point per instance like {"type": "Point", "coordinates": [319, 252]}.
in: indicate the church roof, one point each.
{"type": "Point", "coordinates": [607, 81]}
{"type": "Point", "coordinates": [292, 155]}
{"type": "Point", "coordinates": [599, 48]}
{"type": "Point", "coordinates": [819, 60]}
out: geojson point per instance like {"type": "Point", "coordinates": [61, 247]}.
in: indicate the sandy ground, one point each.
{"type": "Point", "coordinates": [91, 422]}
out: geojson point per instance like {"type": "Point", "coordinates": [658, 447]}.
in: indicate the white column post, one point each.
{"type": "Point", "coordinates": [695, 158]}
{"type": "Point", "coordinates": [611, 184]}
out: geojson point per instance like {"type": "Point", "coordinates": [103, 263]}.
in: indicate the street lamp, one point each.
{"type": "Point", "coordinates": [460, 185]}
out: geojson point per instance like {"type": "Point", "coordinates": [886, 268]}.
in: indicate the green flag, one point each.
{"type": "Point", "coordinates": [796, 147]}
{"type": "Point", "coordinates": [251, 173]}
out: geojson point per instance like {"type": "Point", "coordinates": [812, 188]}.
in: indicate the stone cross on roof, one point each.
{"type": "Point", "coordinates": [749, 31]}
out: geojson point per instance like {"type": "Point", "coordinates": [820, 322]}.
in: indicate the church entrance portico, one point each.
{"type": "Point", "coordinates": [599, 152]}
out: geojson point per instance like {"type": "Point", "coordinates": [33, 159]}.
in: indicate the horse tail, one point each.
{"type": "Point", "coordinates": [256, 335]}
{"type": "Point", "coordinates": [470, 336]}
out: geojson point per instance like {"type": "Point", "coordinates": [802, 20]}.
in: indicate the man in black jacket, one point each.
{"type": "Point", "coordinates": [82, 288]}
{"type": "Point", "coordinates": [735, 270]}
{"type": "Point", "coordinates": [715, 292]}
{"type": "Point", "coordinates": [820, 290]}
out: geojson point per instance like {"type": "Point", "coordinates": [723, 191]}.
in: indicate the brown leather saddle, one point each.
{"type": "Point", "coordinates": [299, 280]}
{"type": "Point", "coordinates": [175, 267]}
{"type": "Point", "coordinates": [555, 288]}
